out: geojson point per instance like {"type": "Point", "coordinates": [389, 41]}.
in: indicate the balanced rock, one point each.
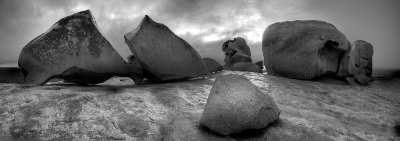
{"type": "Point", "coordinates": [236, 50]}
{"type": "Point", "coordinates": [361, 54]}
{"type": "Point", "coordinates": [12, 75]}
{"type": "Point", "coordinates": [235, 104]}
{"type": "Point", "coordinates": [212, 65]}
{"type": "Point", "coordinates": [72, 41]}
{"type": "Point", "coordinates": [246, 66]}
{"type": "Point", "coordinates": [162, 55]}
{"type": "Point", "coordinates": [260, 64]}
{"type": "Point", "coordinates": [303, 49]}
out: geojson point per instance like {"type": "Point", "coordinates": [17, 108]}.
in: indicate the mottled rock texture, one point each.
{"type": "Point", "coordinates": [361, 54]}
{"type": "Point", "coordinates": [260, 64]}
{"type": "Point", "coordinates": [72, 41]}
{"type": "Point", "coordinates": [246, 66]}
{"type": "Point", "coordinates": [303, 49]}
{"type": "Point", "coordinates": [162, 55]}
{"type": "Point", "coordinates": [212, 65]}
{"type": "Point", "coordinates": [236, 50]}
{"type": "Point", "coordinates": [119, 110]}
{"type": "Point", "coordinates": [235, 104]}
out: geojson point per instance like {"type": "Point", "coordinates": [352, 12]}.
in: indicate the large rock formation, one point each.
{"type": "Point", "coordinates": [236, 50]}
{"type": "Point", "coordinates": [72, 41]}
{"type": "Point", "coordinates": [162, 55]}
{"type": "Point", "coordinates": [212, 65]}
{"type": "Point", "coordinates": [235, 104]}
{"type": "Point", "coordinates": [303, 49]}
{"type": "Point", "coordinates": [246, 66]}
{"type": "Point", "coordinates": [260, 64]}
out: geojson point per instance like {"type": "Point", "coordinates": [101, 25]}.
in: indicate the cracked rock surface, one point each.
{"type": "Point", "coordinates": [119, 110]}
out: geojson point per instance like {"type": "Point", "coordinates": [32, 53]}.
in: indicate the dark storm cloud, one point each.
{"type": "Point", "coordinates": [205, 24]}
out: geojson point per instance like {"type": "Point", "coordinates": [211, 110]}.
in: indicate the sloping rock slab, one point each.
{"type": "Point", "coordinates": [72, 41]}
{"type": "Point", "coordinates": [162, 54]}
{"type": "Point", "coordinates": [303, 49]}
{"type": "Point", "coordinates": [118, 110]}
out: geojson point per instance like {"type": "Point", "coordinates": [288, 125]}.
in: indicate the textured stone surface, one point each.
{"type": "Point", "coordinates": [235, 104]}
{"type": "Point", "coordinates": [303, 49]}
{"type": "Point", "coordinates": [362, 53]}
{"type": "Point", "coordinates": [236, 50]}
{"type": "Point", "coordinates": [246, 66]}
{"type": "Point", "coordinates": [119, 110]}
{"type": "Point", "coordinates": [162, 55]}
{"type": "Point", "coordinates": [72, 41]}
{"type": "Point", "coordinates": [212, 65]}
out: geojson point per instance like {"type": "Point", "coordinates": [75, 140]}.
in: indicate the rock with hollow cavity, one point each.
{"type": "Point", "coordinates": [303, 49]}
{"type": "Point", "coordinates": [236, 104]}
{"type": "Point", "coordinates": [236, 50]}
{"type": "Point", "coordinates": [162, 54]}
{"type": "Point", "coordinates": [212, 65]}
{"type": "Point", "coordinates": [246, 66]}
{"type": "Point", "coordinates": [72, 41]}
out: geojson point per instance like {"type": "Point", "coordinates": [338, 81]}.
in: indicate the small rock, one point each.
{"type": "Point", "coordinates": [246, 66]}
{"type": "Point", "coordinates": [212, 65]}
{"type": "Point", "coordinates": [161, 54]}
{"type": "Point", "coordinates": [236, 50]}
{"type": "Point", "coordinates": [361, 54]}
{"type": "Point", "coordinates": [303, 49]}
{"type": "Point", "coordinates": [260, 64]}
{"type": "Point", "coordinates": [235, 104]}
{"type": "Point", "coordinates": [72, 41]}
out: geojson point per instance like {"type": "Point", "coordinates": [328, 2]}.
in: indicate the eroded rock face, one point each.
{"type": "Point", "coordinates": [236, 50]}
{"type": "Point", "coordinates": [361, 54]}
{"type": "Point", "coordinates": [212, 65]}
{"type": "Point", "coordinates": [162, 55]}
{"type": "Point", "coordinates": [303, 49]}
{"type": "Point", "coordinates": [72, 41]}
{"type": "Point", "coordinates": [235, 104]}
{"type": "Point", "coordinates": [246, 66]}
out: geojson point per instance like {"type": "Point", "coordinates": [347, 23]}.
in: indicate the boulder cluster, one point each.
{"type": "Point", "coordinates": [310, 49]}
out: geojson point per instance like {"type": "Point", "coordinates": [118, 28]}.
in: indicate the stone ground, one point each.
{"type": "Point", "coordinates": [120, 110]}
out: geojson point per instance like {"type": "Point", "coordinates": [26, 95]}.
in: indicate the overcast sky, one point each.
{"type": "Point", "coordinates": [206, 24]}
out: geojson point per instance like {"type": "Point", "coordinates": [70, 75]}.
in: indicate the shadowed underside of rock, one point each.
{"type": "Point", "coordinates": [246, 66]}
{"type": "Point", "coordinates": [72, 41]}
{"type": "Point", "coordinates": [235, 105]}
{"type": "Point", "coordinates": [303, 49]}
{"type": "Point", "coordinates": [162, 55]}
